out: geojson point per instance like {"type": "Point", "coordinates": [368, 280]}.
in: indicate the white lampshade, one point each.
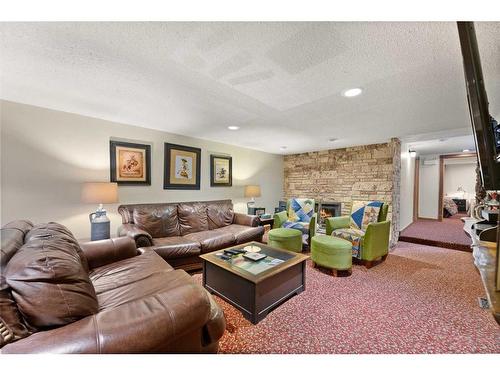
{"type": "Point", "coordinates": [252, 191]}
{"type": "Point", "coordinates": [100, 192]}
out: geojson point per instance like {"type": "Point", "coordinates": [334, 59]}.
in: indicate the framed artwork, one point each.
{"type": "Point", "coordinates": [221, 170]}
{"type": "Point", "coordinates": [130, 163]}
{"type": "Point", "coordinates": [182, 167]}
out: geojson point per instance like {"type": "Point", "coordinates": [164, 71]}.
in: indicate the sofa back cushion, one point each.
{"type": "Point", "coordinates": [49, 280]}
{"type": "Point", "coordinates": [192, 217]}
{"type": "Point", "coordinates": [158, 220]}
{"type": "Point", "coordinates": [220, 214]}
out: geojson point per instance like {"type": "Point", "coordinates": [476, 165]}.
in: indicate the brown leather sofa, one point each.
{"type": "Point", "coordinates": [180, 232]}
{"type": "Point", "coordinates": [58, 296]}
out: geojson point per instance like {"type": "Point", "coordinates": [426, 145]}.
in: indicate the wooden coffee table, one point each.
{"type": "Point", "coordinates": [255, 288]}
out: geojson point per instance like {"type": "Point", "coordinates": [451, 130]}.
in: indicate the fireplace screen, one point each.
{"type": "Point", "coordinates": [326, 210]}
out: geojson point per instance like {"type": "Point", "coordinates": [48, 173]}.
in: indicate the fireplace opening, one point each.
{"type": "Point", "coordinates": [326, 210]}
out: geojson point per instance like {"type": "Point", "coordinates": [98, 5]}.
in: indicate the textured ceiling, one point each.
{"type": "Point", "coordinates": [280, 81]}
{"type": "Point", "coordinates": [443, 145]}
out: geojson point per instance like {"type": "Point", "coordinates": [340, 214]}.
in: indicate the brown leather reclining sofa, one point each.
{"type": "Point", "coordinates": [180, 232]}
{"type": "Point", "coordinates": [58, 296]}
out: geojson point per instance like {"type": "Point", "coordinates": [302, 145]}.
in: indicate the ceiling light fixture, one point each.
{"type": "Point", "coordinates": [233, 127]}
{"type": "Point", "coordinates": [331, 140]}
{"type": "Point", "coordinates": [466, 150]}
{"type": "Point", "coordinates": [413, 153]}
{"type": "Point", "coordinates": [350, 93]}
{"type": "Point", "coordinates": [282, 148]}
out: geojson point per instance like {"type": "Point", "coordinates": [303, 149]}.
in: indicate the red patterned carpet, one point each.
{"type": "Point", "coordinates": [420, 300]}
{"type": "Point", "coordinates": [448, 233]}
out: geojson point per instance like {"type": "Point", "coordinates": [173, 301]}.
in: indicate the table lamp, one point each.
{"type": "Point", "coordinates": [101, 193]}
{"type": "Point", "coordinates": [252, 191]}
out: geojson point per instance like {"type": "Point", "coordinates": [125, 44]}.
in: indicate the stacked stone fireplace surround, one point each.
{"type": "Point", "coordinates": [370, 172]}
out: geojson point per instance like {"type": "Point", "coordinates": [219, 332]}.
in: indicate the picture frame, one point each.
{"type": "Point", "coordinates": [182, 167]}
{"type": "Point", "coordinates": [221, 170]}
{"type": "Point", "coordinates": [130, 163]}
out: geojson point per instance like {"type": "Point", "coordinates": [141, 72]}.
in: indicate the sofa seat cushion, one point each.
{"type": "Point", "coordinates": [175, 247]}
{"type": "Point", "coordinates": [243, 233]}
{"type": "Point", "coordinates": [131, 279]}
{"type": "Point", "coordinates": [211, 240]}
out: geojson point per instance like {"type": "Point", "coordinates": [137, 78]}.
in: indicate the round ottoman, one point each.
{"type": "Point", "coordinates": [331, 252]}
{"type": "Point", "coordinates": [286, 238]}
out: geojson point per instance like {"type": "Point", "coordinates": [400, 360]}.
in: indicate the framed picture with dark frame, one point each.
{"type": "Point", "coordinates": [130, 163]}
{"type": "Point", "coordinates": [221, 170]}
{"type": "Point", "coordinates": [182, 167]}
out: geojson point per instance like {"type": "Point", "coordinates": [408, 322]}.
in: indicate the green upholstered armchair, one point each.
{"type": "Point", "coordinates": [369, 237]}
{"type": "Point", "coordinates": [300, 215]}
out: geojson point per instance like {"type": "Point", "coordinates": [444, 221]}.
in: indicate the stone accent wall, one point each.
{"type": "Point", "coordinates": [369, 172]}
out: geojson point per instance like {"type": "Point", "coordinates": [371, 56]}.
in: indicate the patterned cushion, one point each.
{"type": "Point", "coordinates": [354, 236]}
{"type": "Point", "coordinates": [302, 226]}
{"type": "Point", "coordinates": [300, 210]}
{"type": "Point", "coordinates": [364, 213]}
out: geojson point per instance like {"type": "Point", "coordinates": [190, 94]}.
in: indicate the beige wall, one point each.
{"type": "Point", "coordinates": [407, 187]}
{"type": "Point", "coordinates": [46, 155]}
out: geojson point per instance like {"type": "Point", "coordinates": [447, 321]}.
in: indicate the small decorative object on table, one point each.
{"type": "Point", "coordinates": [252, 248]}
{"type": "Point", "coordinates": [254, 256]}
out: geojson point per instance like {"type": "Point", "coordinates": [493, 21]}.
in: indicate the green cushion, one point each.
{"type": "Point", "coordinates": [286, 238]}
{"type": "Point", "coordinates": [331, 252]}
{"type": "Point", "coordinates": [284, 233]}
{"type": "Point", "coordinates": [330, 245]}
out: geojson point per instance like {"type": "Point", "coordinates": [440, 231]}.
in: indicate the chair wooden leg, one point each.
{"type": "Point", "coordinates": [384, 257]}
{"type": "Point", "coordinates": [334, 272]}
{"type": "Point", "coordinates": [313, 264]}
{"type": "Point", "coordinates": [368, 264]}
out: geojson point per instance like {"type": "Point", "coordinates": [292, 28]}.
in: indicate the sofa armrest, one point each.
{"type": "Point", "coordinates": [279, 219]}
{"type": "Point", "coordinates": [337, 222]}
{"type": "Point", "coordinates": [376, 240]}
{"type": "Point", "coordinates": [141, 237]}
{"type": "Point", "coordinates": [243, 219]}
{"type": "Point", "coordinates": [146, 325]}
{"type": "Point", "coordinates": [100, 253]}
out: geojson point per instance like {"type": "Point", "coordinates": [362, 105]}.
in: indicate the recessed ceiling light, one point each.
{"type": "Point", "coordinates": [331, 140]}
{"type": "Point", "coordinates": [233, 127]}
{"type": "Point", "coordinates": [349, 93]}
{"type": "Point", "coordinates": [283, 148]}
{"type": "Point", "coordinates": [413, 153]}
{"type": "Point", "coordinates": [442, 139]}
{"type": "Point", "coordinates": [466, 150]}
